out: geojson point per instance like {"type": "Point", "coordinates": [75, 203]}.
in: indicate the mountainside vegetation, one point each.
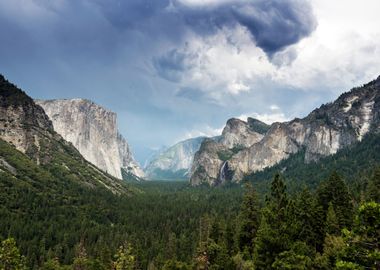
{"type": "Point", "coordinates": [58, 211]}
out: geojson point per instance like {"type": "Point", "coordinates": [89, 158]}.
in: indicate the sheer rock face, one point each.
{"type": "Point", "coordinates": [128, 164]}
{"type": "Point", "coordinates": [92, 129]}
{"type": "Point", "coordinates": [323, 132]}
{"type": "Point", "coordinates": [22, 122]}
{"type": "Point", "coordinates": [176, 161]}
{"type": "Point", "coordinates": [238, 133]}
{"type": "Point", "coordinates": [208, 161]}
{"type": "Point", "coordinates": [25, 125]}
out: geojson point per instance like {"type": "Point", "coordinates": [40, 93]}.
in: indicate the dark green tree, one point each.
{"type": "Point", "coordinates": [248, 222]}
{"type": "Point", "coordinates": [332, 224]}
{"type": "Point", "coordinates": [273, 234]}
{"type": "Point", "coordinates": [335, 191]}
{"type": "Point", "coordinates": [362, 244]}
{"type": "Point", "coordinates": [373, 188]}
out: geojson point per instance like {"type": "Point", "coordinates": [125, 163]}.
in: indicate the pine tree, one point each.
{"type": "Point", "coordinates": [10, 258]}
{"type": "Point", "coordinates": [81, 260]}
{"type": "Point", "coordinates": [310, 220]}
{"type": "Point", "coordinates": [332, 224]}
{"type": "Point", "coordinates": [362, 244]}
{"type": "Point", "coordinates": [124, 258]}
{"type": "Point", "coordinates": [373, 189]}
{"type": "Point", "coordinates": [273, 234]}
{"type": "Point", "coordinates": [248, 222]}
{"type": "Point", "coordinates": [335, 191]}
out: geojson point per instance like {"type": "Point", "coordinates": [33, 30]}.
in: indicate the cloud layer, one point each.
{"type": "Point", "coordinates": [174, 68]}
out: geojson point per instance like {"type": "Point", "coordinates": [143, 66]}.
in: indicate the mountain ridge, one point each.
{"type": "Point", "coordinates": [25, 128]}
{"type": "Point", "coordinates": [323, 132]}
{"type": "Point", "coordinates": [93, 131]}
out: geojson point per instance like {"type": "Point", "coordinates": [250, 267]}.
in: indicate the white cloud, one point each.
{"type": "Point", "coordinates": [344, 51]}
{"type": "Point", "coordinates": [206, 131]}
{"type": "Point", "coordinates": [274, 107]}
{"type": "Point", "coordinates": [267, 118]}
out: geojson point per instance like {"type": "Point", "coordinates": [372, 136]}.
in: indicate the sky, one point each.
{"type": "Point", "coordinates": [176, 69]}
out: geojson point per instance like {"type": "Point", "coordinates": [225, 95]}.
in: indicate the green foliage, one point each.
{"type": "Point", "coordinates": [248, 222]}
{"type": "Point", "coordinates": [354, 164]}
{"type": "Point", "coordinates": [225, 155]}
{"type": "Point", "coordinates": [124, 258]}
{"type": "Point", "coordinates": [159, 174]}
{"type": "Point", "coordinates": [334, 192]}
{"type": "Point", "coordinates": [176, 265]}
{"type": "Point", "coordinates": [332, 224]}
{"type": "Point", "coordinates": [363, 242]}
{"type": "Point", "coordinates": [373, 188]}
{"type": "Point", "coordinates": [10, 258]}
{"type": "Point", "coordinates": [274, 232]}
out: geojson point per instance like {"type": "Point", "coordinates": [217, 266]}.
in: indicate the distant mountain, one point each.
{"type": "Point", "coordinates": [323, 132]}
{"type": "Point", "coordinates": [93, 130]}
{"type": "Point", "coordinates": [33, 153]}
{"type": "Point", "coordinates": [174, 162]}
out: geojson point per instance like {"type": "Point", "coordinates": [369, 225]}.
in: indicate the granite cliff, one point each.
{"type": "Point", "coordinates": [323, 132]}
{"type": "Point", "coordinates": [174, 162]}
{"type": "Point", "coordinates": [92, 129]}
{"type": "Point", "coordinates": [25, 128]}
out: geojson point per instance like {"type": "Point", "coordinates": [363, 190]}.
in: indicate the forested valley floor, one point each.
{"type": "Point", "coordinates": [169, 225]}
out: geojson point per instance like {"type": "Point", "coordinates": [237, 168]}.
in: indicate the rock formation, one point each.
{"type": "Point", "coordinates": [174, 162]}
{"type": "Point", "coordinates": [25, 125]}
{"type": "Point", "coordinates": [323, 132]}
{"type": "Point", "coordinates": [92, 129]}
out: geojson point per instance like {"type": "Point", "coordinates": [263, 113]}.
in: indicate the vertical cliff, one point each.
{"type": "Point", "coordinates": [25, 127]}
{"type": "Point", "coordinates": [323, 132]}
{"type": "Point", "coordinates": [92, 129]}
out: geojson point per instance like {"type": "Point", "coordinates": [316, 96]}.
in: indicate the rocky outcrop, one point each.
{"type": "Point", "coordinates": [323, 132]}
{"type": "Point", "coordinates": [128, 163]}
{"type": "Point", "coordinates": [25, 125]}
{"type": "Point", "coordinates": [174, 162]}
{"type": "Point", "coordinates": [210, 161]}
{"type": "Point", "coordinates": [22, 123]}
{"type": "Point", "coordinates": [92, 129]}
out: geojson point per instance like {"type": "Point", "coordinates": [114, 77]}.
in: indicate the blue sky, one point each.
{"type": "Point", "coordinates": [174, 69]}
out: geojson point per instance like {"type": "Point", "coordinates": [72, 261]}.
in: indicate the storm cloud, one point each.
{"type": "Point", "coordinates": [273, 24]}
{"type": "Point", "coordinates": [170, 68]}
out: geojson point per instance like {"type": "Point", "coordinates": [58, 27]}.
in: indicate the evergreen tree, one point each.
{"type": "Point", "coordinates": [124, 258]}
{"type": "Point", "coordinates": [81, 261]}
{"type": "Point", "coordinates": [10, 258]}
{"type": "Point", "coordinates": [248, 222]}
{"type": "Point", "coordinates": [335, 191]}
{"type": "Point", "coordinates": [332, 224]}
{"type": "Point", "coordinates": [273, 234]}
{"type": "Point", "coordinates": [362, 244]}
{"type": "Point", "coordinates": [309, 220]}
{"type": "Point", "coordinates": [373, 189]}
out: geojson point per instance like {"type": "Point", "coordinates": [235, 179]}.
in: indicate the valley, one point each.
{"type": "Point", "coordinates": [64, 208]}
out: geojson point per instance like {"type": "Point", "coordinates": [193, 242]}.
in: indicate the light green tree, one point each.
{"type": "Point", "coordinates": [124, 258]}
{"type": "Point", "coordinates": [10, 257]}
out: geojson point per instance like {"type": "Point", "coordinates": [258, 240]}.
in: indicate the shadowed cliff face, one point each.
{"type": "Point", "coordinates": [93, 131]}
{"type": "Point", "coordinates": [25, 125]}
{"type": "Point", "coordinates": [323, 132]}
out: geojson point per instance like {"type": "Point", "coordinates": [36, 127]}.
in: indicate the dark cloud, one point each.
{"type": "Point", "coordinates": [111, 50]}
{"type": "Point", "coordinates": [273, 24]}
{"type": "Point", "coordinates": [172, 64]}
{"type": "Point", "coordinates": [276, 24]}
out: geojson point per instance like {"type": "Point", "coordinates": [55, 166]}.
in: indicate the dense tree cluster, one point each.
{"type": "Point", "coordinates": [58, 223]}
